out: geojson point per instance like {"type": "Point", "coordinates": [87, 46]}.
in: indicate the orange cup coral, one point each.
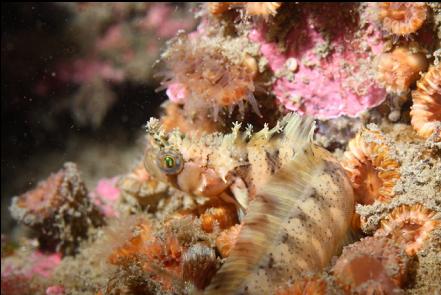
{"type": "Point", "coordinates": [374, 265]}
{"type": "Point", "coordinates": [426, 109]}
{"type": "Point", "coordinates": [371, 168]}
{"type": "Point", "coordinates": [399, 69]}
{"type": "Point", "coordinates": [409, 226]}
{"type": "Point", "coordinates": [402, 18]}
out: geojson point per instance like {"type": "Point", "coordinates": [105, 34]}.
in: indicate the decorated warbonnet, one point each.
{"type": "Point", "coordinates": [294, 189]}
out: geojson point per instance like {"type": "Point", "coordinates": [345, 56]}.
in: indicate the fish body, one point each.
{"type": "Point", "coordinates": [298, 221]}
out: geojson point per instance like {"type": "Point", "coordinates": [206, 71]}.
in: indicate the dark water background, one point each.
{"type": "Point", "coordinates": [37, 140]}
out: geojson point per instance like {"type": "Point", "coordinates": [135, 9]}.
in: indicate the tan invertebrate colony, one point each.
{"type": "Point", "coordinates": [426, 108]}
{"type": "Point", "coordinates": [373, 265]}
{"type": "Point", "coordinates": [213, 77]}
{"type": "Point", "coordinates": [370, 165]}
{"type": "Point", "coordinates": [59, 209]}
{"type": "Point", "coordinates": [409, 226]}
{"type": "Point", "coordinates": [138, 187]}
{"type": "Point", "coordinates": [399, 69]}
{"type": "Point", "coordinates": [402, 18]}
{"type": "Point", "coordinates": [44, 199]}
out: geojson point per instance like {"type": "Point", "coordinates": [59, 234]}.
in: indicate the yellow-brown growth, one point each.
{"type": "Point", "coordinates": [399, 69]}
{"type": "Point", "coordinates": [426, 109]}
{"type": "Point", "coordinates": [264, 9]}
{"type": "Point", "coordinates": [150, 253]}
{"type": "Point", "coordinates": [211, 77]}
{"type": "Point", "coordinates": [409, 226]}
{"type": "Point", "coordinates": [402, 18]}
{"type": "Point", "coordinates": [59, 210]}
{"type": "Point", "coordinates": [175, 118]}
{"type": "Point", "coordinates": [372, 170]}
{"type": "Point", "coordinates": [134, 246]}
{"type": "Point", "coordinates": [374, 265]}
{"type": "Point", "coordinates": [227, 239]}
{"type": "Point", "coordinates": [45, 199]}
{"type": "Point", "coordinates": [224, 217]}
{"type": "Point", "coordinates": [140, 186]}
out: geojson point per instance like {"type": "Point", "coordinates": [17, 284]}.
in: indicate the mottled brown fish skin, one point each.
{"type": "Point", "coordinates": [295, 225]}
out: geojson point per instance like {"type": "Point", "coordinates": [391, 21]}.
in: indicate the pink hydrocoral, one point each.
{"type": "Point", "coordinates": [84, 70]}
{"type": "Point", "coordinates": [159, 18]}
{"type": "Point", "coordinates": [43, 264]}
{"type": "Point", "coordinates": [55, 290]}
{"type": "Point", "coordinates": [105, 196]}
{"type": "Point", "coordinates": [331, 52]}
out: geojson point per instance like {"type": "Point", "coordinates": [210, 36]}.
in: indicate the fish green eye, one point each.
{"type": "Point", "coordinates": [170, 162]}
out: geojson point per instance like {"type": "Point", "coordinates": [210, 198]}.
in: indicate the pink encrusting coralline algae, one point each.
{"type": "Point", "coordinates": [105, 196]}
{"type": "Point", "coordinates": [16, 276]}
{"type": "Point", "coordinates": [55, 290]}
{"type": "Point", "coordinates": [84, 70]}
{"type": "Point", "coordinates": [160, 13]}
{"type": "Point", "coordinates": [327, 67]}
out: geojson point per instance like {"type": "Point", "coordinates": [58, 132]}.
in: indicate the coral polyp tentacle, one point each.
{"type": "Point", "coordinates": [370, 165]}
{"type": "Point", "coordinates": [409, 226]}
{"type": "Point", "coordinates": [399, 69]}
{"type": "Point", "coordinates": [375, 265]}
{"type": "Point", "coordinates": [426, 108]}
{"type": "Point", "coordinates": [402, 18]}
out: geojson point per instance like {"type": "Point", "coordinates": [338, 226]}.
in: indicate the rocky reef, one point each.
{"type": "Point", "coordinates": [299, 152]}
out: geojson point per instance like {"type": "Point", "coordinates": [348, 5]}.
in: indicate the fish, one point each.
{"type": "Point", "coordinates": [298, 206]}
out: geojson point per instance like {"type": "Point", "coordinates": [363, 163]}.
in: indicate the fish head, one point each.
{"type": "Point", "coordinates": [199, 165]}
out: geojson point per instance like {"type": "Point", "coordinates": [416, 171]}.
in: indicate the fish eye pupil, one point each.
{"type": "Point", "coordinates": [169, 162]}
